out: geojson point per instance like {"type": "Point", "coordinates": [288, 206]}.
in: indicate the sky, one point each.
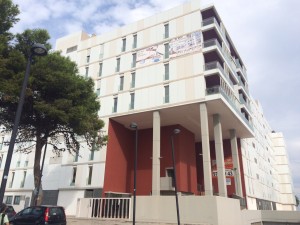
{"type": "Point", "coordinates": [265, 33]}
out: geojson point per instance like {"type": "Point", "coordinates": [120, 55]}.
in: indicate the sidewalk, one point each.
{"type": "Point", "coordinates": [93, 221]}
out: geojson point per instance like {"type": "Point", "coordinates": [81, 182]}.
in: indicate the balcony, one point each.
{"type": "Point", "coordinates": [213, 21]}
{"type": "Point", "coordinates": [245, 103]}
{"type": "Point", "coordinates": [217, 65]}
{"type": "Point", "coordinates": [211, 43]}
{"type": "Point", "coordinates": [232, 100]}
{"type": "Point", "coordinates": [243, 85]}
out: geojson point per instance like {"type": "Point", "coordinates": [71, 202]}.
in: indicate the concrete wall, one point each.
{"type": "Point", "coordinates": [193, 209]}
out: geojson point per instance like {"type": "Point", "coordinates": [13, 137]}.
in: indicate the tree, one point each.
{"type": "Point", "coordinates": [8, 17]}
{"type": "Point", "coordinates": [59, 103]}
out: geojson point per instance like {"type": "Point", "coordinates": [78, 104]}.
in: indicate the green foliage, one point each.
{"type": "Point", "coordinates": [8, 17]}
{"type": "Point", "coordinates": [58, 102]}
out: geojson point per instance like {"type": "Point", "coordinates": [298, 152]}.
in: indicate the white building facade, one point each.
{"type": "Point", "coordinates": [176, 69]}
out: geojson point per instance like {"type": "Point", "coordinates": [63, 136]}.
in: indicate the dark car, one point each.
{"type": "Point", "coordinates": [40, 215]}
{"type": "Point", "coordinates": [10, 211]}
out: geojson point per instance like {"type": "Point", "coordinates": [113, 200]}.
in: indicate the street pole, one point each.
{"type": "Point", "coordinates": [134, 126]}
{"type": "Point", "coordinates": [175, 131]}
{"type": "Point", "coordinates": [41, 174]}
{"type": "Point", "coordinates": [36, 49]}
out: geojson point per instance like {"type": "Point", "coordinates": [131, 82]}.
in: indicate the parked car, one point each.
{"type": "Point", "coordinates": [40, 215]}
{"type": "Point", "coordinates": [10, 211]}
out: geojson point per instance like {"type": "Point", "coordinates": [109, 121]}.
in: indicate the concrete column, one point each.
{"type": "Point", "coordinates": [236, 163]}
{"type": "Point", "coordinates": [156, 154]}
{"type": "Point", "coordinates": [220, 155]}
{"type": "Point", "coordinates": [206, 150]}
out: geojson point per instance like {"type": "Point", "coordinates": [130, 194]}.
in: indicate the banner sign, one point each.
{"type": "Point", "coordinates": [185, 44]}
{"type": "Point", "coordinates": [150, 55]}
{"type": "Point", "coordinates": [178, 46]}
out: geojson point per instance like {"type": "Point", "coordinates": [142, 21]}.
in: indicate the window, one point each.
{"type": "Point", "coordinates": [166, 77]}
{"type": "Point", "coordinates": [253, 145]}
{"type": "Point", "coordinates": [98, 92]}
{"type": "Point", "coordinates": [167, 51]}
{"type": "Point", "coordinates": [123, 44]}
{"type": "Point", "coordinates": [89, 180]}
{"type": "Point", "coordinates": [121, 83]}
{"type": "Point", "coordinates": [26, 163]}
{"type": "Point", "coordinates": [1, 158]}
{"type": "Point", "coordinates": [101, 51]}
{"type": "Point", "coordinates": [18, 163]}
{"type": "Point", "coordinates": [1, 143]}
{"type": "Point", "coordinates": [86, 71]}
{"type": "Point", "coordinates": [88, 59]}
{"type": "Point", "coordinates": [71, 49]}
{"type": "Point", "coordinates": [12, 179]}
{"type": "Point", "coordinates": [92, 154]}
{"type": "Point", "coordinates": [255, 160]}
{"type": "Point", "coordinates": [131, 106]}
{"type": "Point", "coordinates": [76, 157]}
{"type": "Point", "coordinates": [118, 65]}
{"type": "Point", "coordinates": [73, 176]}
{"type": "Point", "coordinates": [17, 200]}
{"type": "Point", "coordinates": [167, 96]}
{"type": "Point", "coordinates": [9, 199]}
{"type": "Point", "coordinates": [115, 107]}
{"type": "Point", "coordinates": [257, 176]}
{"type": "Point", "coordinates": [134, 44]}
{"type": "Point", "coordinates": [23, 181]}
{"type": "Point", "coordinates": [132, 85]}
{"type": "Point", "coordinates": [166, 35]}
{"type": "Point", "coordinates": [100, 69]}
{"type": "Point", "coordinates": [133, 60]}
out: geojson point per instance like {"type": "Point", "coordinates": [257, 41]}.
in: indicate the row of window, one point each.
{"type": "Point", "coordinates": [10, 184]}
{"type": "Point", "coordinates": [89, 178]}
{"type": "Point", "coordinates": [132, 98]}
{"type": "Point", "coordinates": [118, 62]}
{"type": "Point", "coordinates": [132, 83]}
{"type": "Point", "coordinates": [13, 199]}
{"type": "Point", "coordinates": [123, 48]}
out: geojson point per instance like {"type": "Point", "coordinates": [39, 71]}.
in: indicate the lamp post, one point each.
{"type": "Point", "coordinates": [134, 126]}
{"type": "Point", "coordinates": [37, 191]}
{"type": "Point", "coordinates": [175, 131]}
{"type": "Point", "coordinates": [38, 50]}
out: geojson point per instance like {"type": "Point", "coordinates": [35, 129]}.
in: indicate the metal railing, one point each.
{"type": "Point", "coordinates": [111, 208]}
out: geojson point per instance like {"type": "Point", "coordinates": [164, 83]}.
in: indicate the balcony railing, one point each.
{"type": "Point", "coordinates": [217, 65]}
{"type": "Point", "coordinates": [243, 85]}
{"type": "Point", "coordinates": [212, 20]}
{"type": "Point", "coordinates": [232, 100]}
{"type": "Point", "coordinates": [242, 100]}
{"type": "Point", "coordinates": [212, 42]}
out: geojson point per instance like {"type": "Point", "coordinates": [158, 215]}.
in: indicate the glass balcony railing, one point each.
{"type": "Point", "coordinates": [243, 85]}
{"type": "Point", "coordinates": [212, 20]}
{"type": "Point", "coordinates": [212, 42]}
{"type": "Point", "coordinates": [242, 101]}
{"type": "Point", "coordinates": [232, 100]}
{"type": "Point", "coordinates": [217, 65]}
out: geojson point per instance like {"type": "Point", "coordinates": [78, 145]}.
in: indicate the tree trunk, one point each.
{"type": "Point", "coordinates": [37, 159]}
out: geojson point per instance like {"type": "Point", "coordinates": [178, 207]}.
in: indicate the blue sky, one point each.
{"type": "Point", "coordinates": [266, 34]}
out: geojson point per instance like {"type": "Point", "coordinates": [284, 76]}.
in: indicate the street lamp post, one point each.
{"type": "Point", "coordinates": [134, 126]}
{"type": "Point", "coordinates": [175, 131]}
{"type": "Point", "coordinates": [39, 50]}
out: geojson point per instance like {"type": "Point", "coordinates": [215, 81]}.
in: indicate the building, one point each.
{"type": "Point", "coordinates": [178, 69]}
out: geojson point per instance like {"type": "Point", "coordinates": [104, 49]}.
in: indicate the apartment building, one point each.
{"type": "Point", "coordinates": [178, 69]}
